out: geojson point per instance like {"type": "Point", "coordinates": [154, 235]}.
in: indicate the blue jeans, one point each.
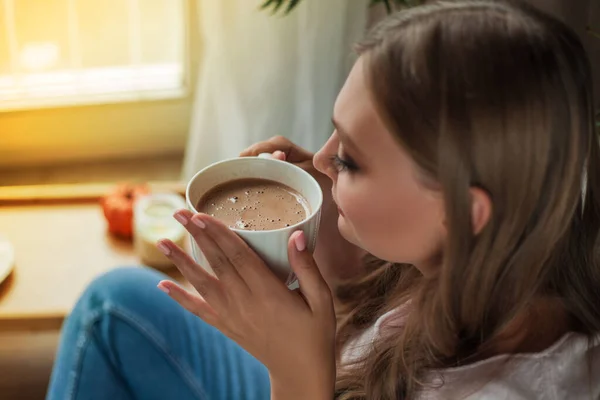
{"type": "Point", "coordinates": [125, 339]}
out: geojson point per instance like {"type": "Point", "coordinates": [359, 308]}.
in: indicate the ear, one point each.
{"type": "Point", "coordinates": [481, 209]}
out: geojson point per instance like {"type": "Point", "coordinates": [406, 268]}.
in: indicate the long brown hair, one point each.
{"type": "Point", "coordinates": [494, 95]}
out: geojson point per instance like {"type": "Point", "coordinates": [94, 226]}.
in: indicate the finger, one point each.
{"type": "Point", "coordinates": [191, 302]}
{"type": "Point", "coordinates": [207, 285]}
{"type": "Point", "coordinates": [279, 155]}
{"type": "Point", "coordinates": [293, 152]}
{"type": "Point", "coordinates": [269, 146]}
{"type": "Point", "coordinates": [218, 261]}
{"type": "Point", "coordinates": [312, 285]}
{"type": "Point", "coordinates": [239, 255]}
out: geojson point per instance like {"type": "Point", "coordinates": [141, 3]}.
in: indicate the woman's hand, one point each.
{"type": "Point", "coordinates": [338, 259]}
{"type": "Point", "coordinates": [291, 332]}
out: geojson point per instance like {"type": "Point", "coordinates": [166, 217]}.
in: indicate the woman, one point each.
{"type": "Point", "coordinates": [465, 156]}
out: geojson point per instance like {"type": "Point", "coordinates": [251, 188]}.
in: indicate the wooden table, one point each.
{"type": "Point", "coordinates": [60, 247]}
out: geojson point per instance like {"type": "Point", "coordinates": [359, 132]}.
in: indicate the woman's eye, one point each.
{"type": "Point", "coordinates": [343, 164]}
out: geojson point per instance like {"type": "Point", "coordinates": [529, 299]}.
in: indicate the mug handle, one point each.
{"type": "Point", "coordinates": [265, 155]}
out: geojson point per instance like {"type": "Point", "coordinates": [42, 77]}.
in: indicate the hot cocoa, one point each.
{"type": "Point", "coordinates": [254, 204]}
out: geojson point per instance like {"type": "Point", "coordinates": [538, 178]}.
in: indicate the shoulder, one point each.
{"type": "Point", "coordinates": [359, 347]}
{"type": "Point", "coordinates": [570, 368]}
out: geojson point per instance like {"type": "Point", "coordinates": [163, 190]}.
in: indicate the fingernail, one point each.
{"type": "Point", "coordinates": [162, 246]}
{"type": "Point", "coordinates": [182, 219]}
{"type": "Point", "coordinates": [198, 222]}
{"type": "Point", "coordinates": [300, 241]}
{"type": "Point", "coordinates": [279, 155]}
{"type": "Point", "coordinates": [163, 288]}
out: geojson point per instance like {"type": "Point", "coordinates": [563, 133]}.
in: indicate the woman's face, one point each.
{"type": "Point", "coordinates": [384, 207]}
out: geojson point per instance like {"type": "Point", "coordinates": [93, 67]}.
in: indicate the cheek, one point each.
{"type": "Point", "coordinates": [403, 227]}
{"type": "Point", "coordinates": [354, 208]}
{"type": "Point", "coordinates": [360, 220]}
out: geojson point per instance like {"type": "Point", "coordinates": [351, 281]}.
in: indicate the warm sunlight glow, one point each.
{"type": "Point", "coordinates": [35, 57]}
{"type": "Point", "coordinates": [70, 52]}
{"type": "Point", "coordinates": [92, 85]}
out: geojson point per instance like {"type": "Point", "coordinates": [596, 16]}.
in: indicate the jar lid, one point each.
{"type": "Point", "coordinates": [153, 217]}
{"type": "Point", "coordinates": [158, 205]}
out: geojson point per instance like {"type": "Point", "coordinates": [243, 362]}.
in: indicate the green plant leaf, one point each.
{"type": "Point", "coordinates": [266, 4]}
{"type": "Point", "coordinates": [275, 4]}
{"type": "Point", "coordinates": [278, 5]}
{"type": "Point", "coordinates": [292, 5]}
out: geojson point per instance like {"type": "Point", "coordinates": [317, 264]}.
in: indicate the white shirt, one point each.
{"type": "Point", "coordinates": [567, 370]}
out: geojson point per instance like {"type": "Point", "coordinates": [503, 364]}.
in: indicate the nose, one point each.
{"type": "Point", "coordinates": [321, 160]}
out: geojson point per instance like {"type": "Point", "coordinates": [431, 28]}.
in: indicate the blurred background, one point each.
{"type": "Point", "coordinates": [104, 90]}
{"type": "Point", "coordinates": [89, 81]}
{"type": "Point", "coordinates": [96, 92]}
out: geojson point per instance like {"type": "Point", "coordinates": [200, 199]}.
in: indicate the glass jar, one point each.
{"type": "Point", "coordinates": [153, 220]}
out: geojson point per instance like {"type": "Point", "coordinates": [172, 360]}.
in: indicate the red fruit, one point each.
{"type": "Point", "coordinates": [118, 208]}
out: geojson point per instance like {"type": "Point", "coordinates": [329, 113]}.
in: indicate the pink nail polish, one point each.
{"type": "Point", "coordinates": [280, 155]}
{"type": "Point", "coordinates": [163, 288]}
{"type": "Point", "coordinates": [162, 246]}
{"type": "Point", "coordinates": [300, 241]}
{"type": "Point", "coordinates": [199, 223]}
{"type": "Point", "coordinates": [182, 219]}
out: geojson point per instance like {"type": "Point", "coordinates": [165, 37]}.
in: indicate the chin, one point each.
{"type": "Point", "coordinates": [346, 231]}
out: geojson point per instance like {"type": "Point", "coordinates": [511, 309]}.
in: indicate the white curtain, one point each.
{"type": "Point", "coordinates": [263, 75]}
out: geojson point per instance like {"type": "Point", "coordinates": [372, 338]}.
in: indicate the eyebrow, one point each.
{"type": "Point", "coordinates": [344, 137]}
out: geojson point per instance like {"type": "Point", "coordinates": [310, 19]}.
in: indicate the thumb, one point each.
{"type": "Point", "coordinates": [312, 285]}
{"type": "Point", "coordinates": [279, 155]}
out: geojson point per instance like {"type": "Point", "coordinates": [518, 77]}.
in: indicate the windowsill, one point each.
{"type": "Point", "coordinates": [72, 193]}
{"type": "Point", "coordinates": [89, 181]}
{"type": "Point", "coordinates": [159, 167]}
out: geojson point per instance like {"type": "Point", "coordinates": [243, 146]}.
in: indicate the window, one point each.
{"type": "Point", "coordinates": [67, 52]}
{"type": "Point", "coordinates": [94, 80]}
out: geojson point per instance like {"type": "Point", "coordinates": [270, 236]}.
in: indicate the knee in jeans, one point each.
{"type": "Point", "coordinates": [124, 287]}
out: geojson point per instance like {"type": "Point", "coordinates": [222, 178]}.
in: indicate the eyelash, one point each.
{"type": "Point", "coordinates": [342, 165]}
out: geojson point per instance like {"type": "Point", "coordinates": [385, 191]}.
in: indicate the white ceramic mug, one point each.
{"type": "Point", "coordinates": [270, 245]}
